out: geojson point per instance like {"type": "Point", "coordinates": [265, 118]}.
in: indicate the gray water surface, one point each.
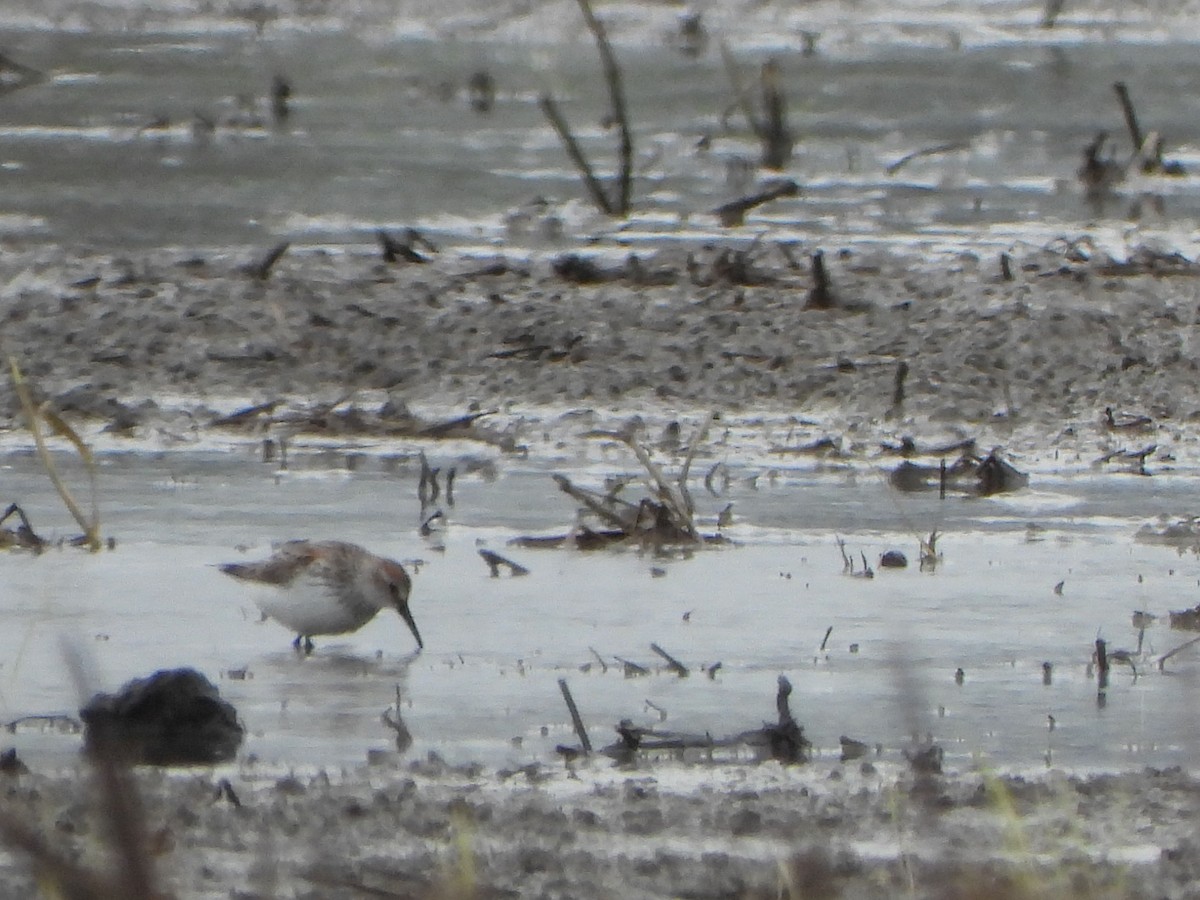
{"type": "Point", "coordinates": [486, 686]}
{"type": "Point", "coordinates": [381, 134]}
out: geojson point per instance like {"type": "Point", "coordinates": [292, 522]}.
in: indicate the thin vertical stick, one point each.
{"type": "Point", "coordinates": [1101, 663]}
{"type": "Point", "coordinates": [576, 719]}
{"type": "Point", "coordinates": [550, 108]}
{"type": "Point", "coordinates": [1131, 122]}
{"type": "Point", "coordinates": [612, 77]}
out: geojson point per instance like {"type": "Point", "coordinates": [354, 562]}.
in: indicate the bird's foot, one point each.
{"type": "Point", "coordinates": [303, 644]}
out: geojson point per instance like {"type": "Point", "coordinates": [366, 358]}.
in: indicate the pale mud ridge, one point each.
{"type": "Point", "coordinates": [426, 830]}
{"type": "Point", "coordinates": [157, 345]}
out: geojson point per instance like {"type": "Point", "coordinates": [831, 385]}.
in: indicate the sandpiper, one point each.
{"type": "Point", "coordinates": [326, 587]}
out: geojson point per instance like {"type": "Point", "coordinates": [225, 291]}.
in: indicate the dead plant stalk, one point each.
{"type": "Point", "coordinates": [34, 415]}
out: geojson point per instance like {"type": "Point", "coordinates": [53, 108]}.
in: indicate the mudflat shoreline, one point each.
{"type": "Point", "coordinates": [169, 343]}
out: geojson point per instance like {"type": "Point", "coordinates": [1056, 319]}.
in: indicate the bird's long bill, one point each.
{"type": "Point", "coordinates": [412, 624]}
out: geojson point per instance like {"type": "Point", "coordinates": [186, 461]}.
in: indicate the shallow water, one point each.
{"type": "Point", "coordinates": [382, 135]}
{"type": "Point", "coordinates": [486, 686]}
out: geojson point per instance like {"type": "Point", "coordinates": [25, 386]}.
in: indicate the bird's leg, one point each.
{"type": "Point", "coordinates": [303, 643]}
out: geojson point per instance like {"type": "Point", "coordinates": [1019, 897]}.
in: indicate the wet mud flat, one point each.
{"type": "Point", "coordinates": [167, 344]}
{"type": "Point", "coordinates": [430, 830]}
{"type": "Point", "coordinates": [166, 350]}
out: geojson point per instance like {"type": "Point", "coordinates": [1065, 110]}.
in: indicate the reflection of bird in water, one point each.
{"type": "Point", "coordinates": [326, 587]}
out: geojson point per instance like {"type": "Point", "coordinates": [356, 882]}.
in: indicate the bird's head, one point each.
{"type": "Point", "coordinates": [398, 585]}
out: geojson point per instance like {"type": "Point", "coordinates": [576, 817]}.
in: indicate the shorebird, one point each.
{"type": "Point", "coordinates": [326, 587]}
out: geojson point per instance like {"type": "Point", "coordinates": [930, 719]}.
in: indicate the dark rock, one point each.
{"type": "Point", "coordinates": [10, 764]}
{"type": "Point", "coordinates": [172, 718]}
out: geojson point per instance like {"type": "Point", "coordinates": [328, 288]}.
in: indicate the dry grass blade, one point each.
{"type": "Point", "coordinates": [63, 429]}
{"type": "Point", "coordinates": [91, 529]}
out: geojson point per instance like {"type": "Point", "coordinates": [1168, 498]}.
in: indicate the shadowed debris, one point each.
{"type": "Point", "coordinates": [172, 718]}
{"type": "Point", "coordinates": [821, 295]}
{"type": "Point", "coordinates": [495, 561]}
{"type": "Point", "coordinates": [733, 213]}
{"type": "Point", "coordinates": [665, 518]}
{"type": "Point", "coordinates": [783, 741]}
{"type": "Point", "coordinates": [23, 537]}
{"type": "Point", "coordinates": [261, 269]}
{"type": "Point", "coordinates": [1186, 619]}
{"type": "Point", "coordinates": [968, 474]}
{"type": "Point", "coordinates": [786, 739]}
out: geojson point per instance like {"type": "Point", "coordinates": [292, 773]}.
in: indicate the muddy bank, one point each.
{"type": "Point", "coordinates": [166, 344]}
{"type": "Point", "coordinates": [738, 831]}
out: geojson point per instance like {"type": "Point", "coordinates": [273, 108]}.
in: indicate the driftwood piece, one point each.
{"type": "Point", "coordinates": [926, 151]}
{"type": "Point", "coordinates": [576, 719]}
{"type": "Point", "coordinates": [632, 669]}
{"type": "Point", "coordinates": [23, 536]}
{"type": "Point", "coordinates": [394, 249]}
{"type": "Point", "coordinates": [457, 424]}
{"type": "Point", "coordinates": [600, 660]}
{"type": "Point", "coordinates": [672, 663]}
{"type": "Point", "coordinates": [1162, 659]}
{"type": "Point", "coordinates": [261, 269]}
{"type": "Point", "coordinates": [592, 503]}
{"type": "Point", "coordinates": [786, 738]}
{"type": "Point", "coordinates": [246, 414]}
{"type": "Point", "coordinates": [495, 561]}
{"type": "Point", "coordinates": [733, 213]}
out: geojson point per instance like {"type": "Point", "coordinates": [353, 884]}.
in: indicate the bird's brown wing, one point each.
{"type": "Point", "coordinates": [288, 562]}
